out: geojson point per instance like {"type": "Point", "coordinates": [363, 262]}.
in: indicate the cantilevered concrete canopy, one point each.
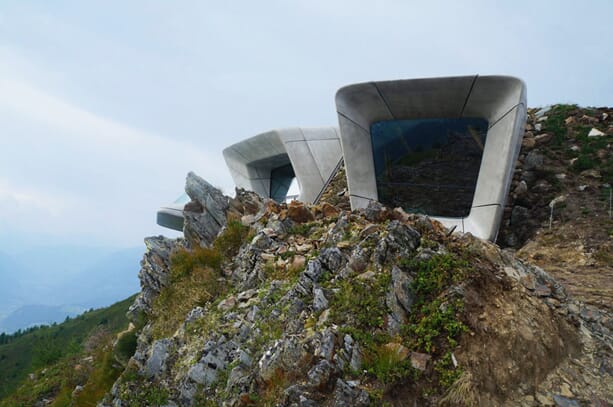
{"type": "Point", "coordinates": [498, 102]}
{"type": "Point", "coordinates": [268, 162]}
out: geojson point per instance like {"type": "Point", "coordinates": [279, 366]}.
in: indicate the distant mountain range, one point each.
{"type": "Point", "coordinates": [42, 285]}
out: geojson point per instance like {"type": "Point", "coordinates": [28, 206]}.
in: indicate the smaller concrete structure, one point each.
{"type": "Point", "coordinates": [267, 163]}
{"type": "Point", "coordinates": [480, 122]}
{"type": "Point", "coordinates": [171, 216]}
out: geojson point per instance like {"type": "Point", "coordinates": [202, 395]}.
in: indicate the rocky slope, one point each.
{"type": "Point", "coordinates": [316, 305]}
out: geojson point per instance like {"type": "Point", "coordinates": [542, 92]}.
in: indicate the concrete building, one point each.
{"type": "Point", "coordinates": [268, 162]}
{"type": "Point", "coordinates": [442, 146]}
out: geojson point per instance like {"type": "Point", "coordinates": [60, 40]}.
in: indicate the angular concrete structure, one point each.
{"type": "Point", "coordinates": [268, 162]}
{"type": "Point", "coordinates": [171, 216]}
{"type": "Point", "coordinates": [466, 131]}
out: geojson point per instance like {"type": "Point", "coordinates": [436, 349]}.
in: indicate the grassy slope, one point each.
{"type": "Point", "coordinates": [49, 345]}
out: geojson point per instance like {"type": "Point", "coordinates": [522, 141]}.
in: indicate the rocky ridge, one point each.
{"type": "Point", "coordinates": [316, 305]}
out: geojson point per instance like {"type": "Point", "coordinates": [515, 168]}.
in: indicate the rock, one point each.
{"type": "Point", "coordinates": [368, 230]}
{"type": "Point", "coordinates": [216, 356]}
{"type": "Point", "coordinates": [319, 300]}
{"type": "Point", "coordinates": [154, 273]}
{"type": "Point", "coordinates": [519, 215]}
{"type": "Point", "coordinates": [570, 120]}
{"type": "Point", "coordinates": [521, 189]}
{"type": "Point", "coordinates": [325, 347]}
{"type": "Point", "coordinates": [201, 228]}
{"type": "Point", "coordinates": [346, 395]}
{"type": "Point", "coordinates": [401, 284]}
{"type": "Point", "coordinates": [332, 259]}
{"type": "Point", "coordinates": [329, 211]}
{"type": "Point", "coordinates": [356, 358]}
{"type": "Point", "coordinates": [541, 112]}
{"type": "Point", "coordinates": [542, 290]}
{"type": "Point", "coordinates": [420, 361]}
{"type": "Point", "coordinates": [227, 304]}
{"type": "Point", "coordinates": [595, 133]}
{"type": "Point", "coordinates": [375, 212]}
{"type": "Point", "coordinates": [561, 401]}
{"type": "Point", "coordinates": [543, 138]}
{"type": "Point", "coordinates": [575, 148]}
{"type": "Point", "coordinates": [298, 262]}
{"type": "Point", "coordinates": [401, 241]}
{"type": "Point", "coordinates": [194, 314]}
{"type": "Point", "coordinates": [261, 241]}
{"type": "Point", "coordinates": [299, 213]}
{"type": "Point", "coordinates": [528, 143]}
{"type": "Point", "coordinates": [319, 376]}
{"type": "Point", "coordinates": [533, 161]}
{"type": "Point", "coordinates": [591, 174]}
{"type": "Point", "coordinates": [156, 363]}
{"type": "Point", "coordinates": [541, 186]}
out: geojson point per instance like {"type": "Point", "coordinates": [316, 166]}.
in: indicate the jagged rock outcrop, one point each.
{"type": "Point", "coordinates": [205, 215]}
{"type": "Point", "coordinates": [339, 308]}
{"type": "Point", "coordinates": [154, 272]}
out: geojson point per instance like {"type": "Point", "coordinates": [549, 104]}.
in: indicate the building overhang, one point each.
{"type": "Point", "coordinates": [500, 100]}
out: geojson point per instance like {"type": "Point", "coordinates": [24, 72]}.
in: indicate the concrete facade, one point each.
{"type": "Point", "coordinates": [311, 153]}
{"type": "Point", "coordinates": [501, 100]}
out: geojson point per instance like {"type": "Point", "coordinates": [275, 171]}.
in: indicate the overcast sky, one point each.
{"type": "Point", "coordinates": [106, 105]}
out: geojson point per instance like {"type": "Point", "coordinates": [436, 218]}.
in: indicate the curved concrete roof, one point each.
{"type": "Point", "coordinates": [501, 100]}
{"type": "Point", "coordinates": [312, 152]}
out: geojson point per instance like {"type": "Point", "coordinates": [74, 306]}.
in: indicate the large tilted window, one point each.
{"type": "Point", "coordinates": [428, 166]}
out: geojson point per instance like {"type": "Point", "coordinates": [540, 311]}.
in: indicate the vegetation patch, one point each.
{"type": "Point", "coordinates": [196, 279]}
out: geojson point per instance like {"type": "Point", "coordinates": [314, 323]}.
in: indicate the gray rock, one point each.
{"type": "Point", "coordinates": [156, 363]}
{"type": "Point", "coordinates": [533, 161]}
{"type": "Point", "coordinates": [356, 358]}
{"type": "Point", "coordinates": [194, 315]}
{"type": "Point", "coordinates": [332, 258]}
{"type": "Point", "coordinates": [154, 273]}
{"type": "Point", "coordinates": [346, 395]}
{"type": "Point", "coordinates": [319, 376]}
{"type": "Point", "coordinates": [201, 228]}
{"type": "Point", "coordinates": [401, 283]}
{"type": "Point", "coordinates": [401, 240]}
{"type": "Point", "coordinates": [374, 211]}
{"type": "Point", "coordinates": [320, 301]}
{"type": "Point", "coordinates": [212, 200]}
{"type": "Point", "coordinates": [261, 241]}
{"type": "Point", "coordinates": [325, 346]}
{"type": "Point", "coordinates": [561, 401]}
{"type": "Point", "coordinates": [313, 270]}
{"type": "Point", "coordinates": [519, 215]}
{"type": "Point", "coordinates": [217, 355]}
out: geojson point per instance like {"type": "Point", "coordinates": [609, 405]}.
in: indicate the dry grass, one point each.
{"type": "Point", "coordinates": [461, 393]}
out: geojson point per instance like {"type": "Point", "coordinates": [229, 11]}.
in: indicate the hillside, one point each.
{"type": "Point", "coordinates": [266, 304]}
{"type": "Point", "coordinates": [317, 305]}
{"type": "Point", "coordinates": [50, 354]}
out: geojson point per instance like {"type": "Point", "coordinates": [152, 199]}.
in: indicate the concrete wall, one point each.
{"type": "Point", "coordinates": [501, 100]}
{"type": "Point", "coordinates": [312, 152]}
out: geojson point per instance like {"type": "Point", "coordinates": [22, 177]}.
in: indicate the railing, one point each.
{"type": "Point", "coordinates": [338, 166]}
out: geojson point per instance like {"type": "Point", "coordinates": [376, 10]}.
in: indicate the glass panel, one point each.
{"type": "Point", "coordinates": [280, 181]}
{"type": "Point", "coordinates": [183, 199]}
{"type": "Point", "coordinates": [293, 192]}
{"type": "Point", "coordinates": [428, 166]}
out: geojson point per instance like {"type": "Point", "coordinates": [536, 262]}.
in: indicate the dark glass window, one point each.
{"type": "Point", "coordinates": [280, 181]}
{"type": "Point", "coordinates": [428, 166]}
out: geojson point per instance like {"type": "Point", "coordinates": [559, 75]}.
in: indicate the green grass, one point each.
{"type": "Point", "coordinates": [53, 347]}
{"type": "Point", "coordinates": [196, 279]}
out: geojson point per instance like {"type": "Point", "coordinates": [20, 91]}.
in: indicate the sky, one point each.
{"type": "Point", "coordinates": [106, 105]}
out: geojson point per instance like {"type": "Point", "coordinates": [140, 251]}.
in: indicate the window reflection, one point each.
{"type": "Point", "coordinates": [428, 166]}
{"type": "Point", "coordinates": [280, 181]}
